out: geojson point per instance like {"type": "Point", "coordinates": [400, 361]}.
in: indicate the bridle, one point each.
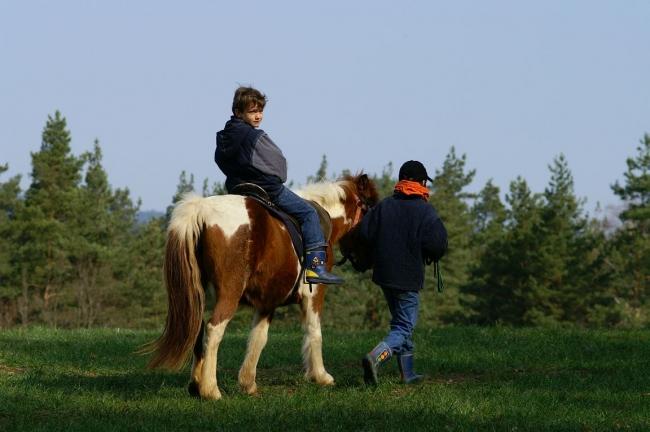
{"type": "Point", "coordinates": [362, 208]}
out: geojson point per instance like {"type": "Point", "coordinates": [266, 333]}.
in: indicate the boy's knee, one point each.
{"type": "Point", "coordinates": [312, 215]}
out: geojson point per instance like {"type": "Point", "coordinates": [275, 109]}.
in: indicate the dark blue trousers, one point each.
{"type": "Point", "coordinates": [403, 307]}
{"type": "Point", "coordinates": [306, 216]}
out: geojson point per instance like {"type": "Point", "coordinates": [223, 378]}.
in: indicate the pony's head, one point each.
{"type": "Point", "coordinates": [364, 188]}
{"type": "Point", "coordinates": [352, 246]}
{"type": "Point", "coordinates": [361, 195]}
{"type": "Point", "coordinates": [345, 200]}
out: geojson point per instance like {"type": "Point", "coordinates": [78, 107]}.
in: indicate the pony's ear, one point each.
{"type": "Point", "coordinates": [362, 182]}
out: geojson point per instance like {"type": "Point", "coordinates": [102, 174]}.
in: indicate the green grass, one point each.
{"type": "Point", "coordinates": [478, 379]}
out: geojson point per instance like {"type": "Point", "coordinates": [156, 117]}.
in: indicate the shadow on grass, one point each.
{"type": "Point", "coordinates": [478, 378]}
{"type": "Point", "coordinates": [370, 410]}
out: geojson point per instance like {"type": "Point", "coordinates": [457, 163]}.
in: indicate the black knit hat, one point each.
{"type": "Point", "coordinates": [413, 170]}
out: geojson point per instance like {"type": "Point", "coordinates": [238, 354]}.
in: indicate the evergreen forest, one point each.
{"type": "Point", "coordinates": [74, 251]}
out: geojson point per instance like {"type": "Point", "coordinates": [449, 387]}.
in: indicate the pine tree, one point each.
{"type": "Point", "coordinates": [636, 191]}
{"type": "Point", "coordinates": [88, 247]}
{"type": "Point", "coordinates": [101, 234]}
{"type": "Point", "coordinates": [523, 269]}
{"type": "Point", "coordinates": [450, 199]}
{"type": "Point", "coordinates": [217, 189]}
{"type": "Point", "coordinates": [595, 302]}
{"type": "Point", "coordinates": [10, 204]}
{"type": "Point", "coordinates": [574, 248]}
{"type": "Point", "coordinates": [386, 181]}
{"type": "Point", "coordinates": [545, 264]}
{"type": "Point", "coordinates": [631, 256]}
{"type": "Point", "coordinates": [321, 174]}
{"type": "Point", "coordinates": [506, 281]}
{"type": "Point", "coordinates": [563, 225]}
{"type": "Point", "coordinates": [184, 186]}
{"type": "Point", "coordinates": [49, 215]}
{"type": "Point", "coordinates": [56, 172]}
{"type": "Point", "coordinates": [488, 215]}
{"type": "Point", "coordinates": [138, 271]}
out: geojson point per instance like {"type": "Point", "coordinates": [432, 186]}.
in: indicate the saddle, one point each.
{"type": "Point", "coordinates": [293, 227]}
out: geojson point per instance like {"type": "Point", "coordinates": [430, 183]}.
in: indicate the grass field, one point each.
{"type": "Point", "coordinates": [478, 379]}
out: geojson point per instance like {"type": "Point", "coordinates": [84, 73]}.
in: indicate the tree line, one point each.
{"type": "Point", "coordinates": [73, 253]}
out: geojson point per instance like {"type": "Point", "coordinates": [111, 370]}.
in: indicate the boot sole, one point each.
{"type": "Point", "coordinates": [324, 282]}
{"type": "Point", "coordinates": [415, 380]}
{"type": "Point", "coordinates": [369, 372]}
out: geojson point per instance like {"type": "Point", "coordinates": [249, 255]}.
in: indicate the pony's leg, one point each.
{"type": "Point", "coordinates": [223, 312]}
{"type": "Point", "coordinates": [312, 347]}
{"type": "Point", "coordinates": [256, 342]}
{"type": "Point", "coordinates": [197, 363]}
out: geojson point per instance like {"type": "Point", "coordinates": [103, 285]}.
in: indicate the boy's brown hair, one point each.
{"type": "Point", "coordinates": [245, 97]}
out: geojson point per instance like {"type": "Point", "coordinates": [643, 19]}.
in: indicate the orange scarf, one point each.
{"type": "Point", "coordinates": [408, 187]}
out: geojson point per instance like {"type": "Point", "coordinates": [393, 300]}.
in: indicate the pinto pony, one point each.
{"type": "Point", "coordinates": [233, 243]}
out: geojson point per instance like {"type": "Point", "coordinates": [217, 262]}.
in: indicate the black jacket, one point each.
{"type": "Point", "coordinates": [246, 154]}
{"type": "Point", "coordinates": [402, 231]}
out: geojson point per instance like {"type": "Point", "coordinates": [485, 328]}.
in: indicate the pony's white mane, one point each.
{"type": "Point", "coordinates": [330, 195]}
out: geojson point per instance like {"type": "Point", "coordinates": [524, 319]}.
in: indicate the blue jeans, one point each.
{"type": "Point", "coordinates": [403, 307]}
{"type": "Point", "coordinates": [306, 216]}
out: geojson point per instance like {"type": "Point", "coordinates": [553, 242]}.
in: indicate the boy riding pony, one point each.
{"type": "Point", "coordinates": [247, 154]}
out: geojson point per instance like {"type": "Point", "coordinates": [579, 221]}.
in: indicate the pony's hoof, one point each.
{"type": "Point", "coordinates": [213, 394]}
{"type": "Point", "coordinates": [323, 379]}
{"type": "Point", "coordinates": [250, 389]}
{"type": "Point", "coordinates": [193, 389]}
{"type": "Point", "coordinates": [247, 382]}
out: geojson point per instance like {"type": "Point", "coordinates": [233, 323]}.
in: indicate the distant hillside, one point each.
{"type": "Point", "coordinates": [146, 216]}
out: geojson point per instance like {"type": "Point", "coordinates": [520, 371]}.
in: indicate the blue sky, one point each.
{"type": "Point", "coordinates": [510, 84]}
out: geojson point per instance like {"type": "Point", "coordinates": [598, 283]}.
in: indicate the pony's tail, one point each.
{"type": "Point", "coordinates": [185, 296]}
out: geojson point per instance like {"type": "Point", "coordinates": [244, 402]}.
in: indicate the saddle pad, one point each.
{"type": "Point", "coordinates": [292, 225]}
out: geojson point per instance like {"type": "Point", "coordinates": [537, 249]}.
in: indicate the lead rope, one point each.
{"type": "Point", "coordinates": [436, 272]}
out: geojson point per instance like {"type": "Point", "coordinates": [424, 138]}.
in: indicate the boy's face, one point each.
{"type": "Point", "coordinates": [253, 115]}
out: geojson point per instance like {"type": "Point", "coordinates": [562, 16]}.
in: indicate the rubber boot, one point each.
{"type": "Point", "coordinates": [405, 363]}
{"type": "Point", "coordinates": [315, 271]}
{"type": "Point", "coordinates": [380, 354]}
